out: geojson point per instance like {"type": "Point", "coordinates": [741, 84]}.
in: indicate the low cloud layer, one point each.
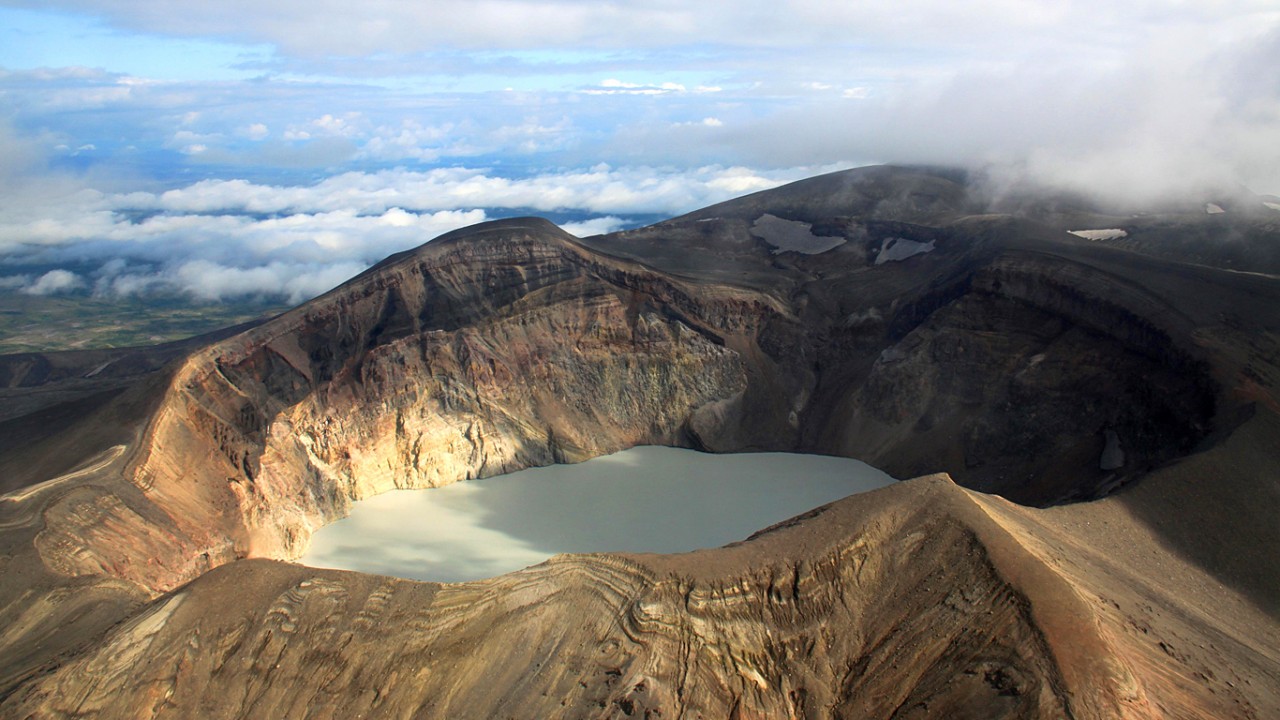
{"type": "Point", "coordinates": [331, 28]}
{"type": "Point", "coordinates": [227, 149]}
{"type": "Point", "coordinates": [53, 283]}
{"type": "Point", "coordinates": [223, 239]}
{"type": "Point", "coordinates": [1084, 92]}
{"type": "Point", "coordinates": [1178, 112]}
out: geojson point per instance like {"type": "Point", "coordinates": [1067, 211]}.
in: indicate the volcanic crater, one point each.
{"type": "Point", "coordinates": [1092, 426]}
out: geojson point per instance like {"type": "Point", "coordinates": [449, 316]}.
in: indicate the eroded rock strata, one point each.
{"type": "Point", "coordinates": [709, 635]}
{"type": "Point", "coordinates": [1019, 358]}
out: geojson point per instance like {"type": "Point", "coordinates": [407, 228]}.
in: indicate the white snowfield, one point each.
{"type": "Point", "coordinates": [1101, 234]}
{"type": "Point", "coordinates": [1273, 206]}
{"type": "Point", "coordinates": [1213, 209]}
{"type": "Point", "coordinates": [898, 249]}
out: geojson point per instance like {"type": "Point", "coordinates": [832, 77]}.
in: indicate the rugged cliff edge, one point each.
{"type": "Point", "coordinates": [883, 314]}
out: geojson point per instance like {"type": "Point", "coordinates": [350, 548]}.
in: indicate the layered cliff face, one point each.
{"type": "Point", "coordinates": [879, 314]}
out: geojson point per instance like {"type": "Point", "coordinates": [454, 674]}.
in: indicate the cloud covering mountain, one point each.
{"type": "Point", "coordinates": [323, 135]}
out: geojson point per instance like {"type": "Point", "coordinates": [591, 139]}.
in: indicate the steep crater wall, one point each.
{"type": "Point", "coordinates": [1036, 378]}
{"type": "Point", "coordinates": [511, 345]}
{"type": "Point", "coordinates": [511, 349]}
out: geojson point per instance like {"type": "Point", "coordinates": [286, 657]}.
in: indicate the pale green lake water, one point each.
{"type": "Point", "coordinates": [646, 499]}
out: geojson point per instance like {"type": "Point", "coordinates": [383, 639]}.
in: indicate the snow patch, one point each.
{"type": "Point", "coordinates": [792, 236]}
{"type": "Point", "coordinates": [891, 354]}
{"type": "Point", "coordinates": [870, 316]}
{"type": "Point", "coordinates": [1273, 206]}
{"type": "Point", "coordinates": [1112, 454]}
{"type": "Point", "coordinates": [1101, 234]}
{"type": "Point", "coordinates": [1213, 209]}
{"type": "Point", "coordinates": [899, 249]}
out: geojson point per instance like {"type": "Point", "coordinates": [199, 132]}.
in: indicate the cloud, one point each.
{"type": "Point", "coordinates": [1181, 91]}
{"type": "Point", "coordinates": [1176, 115]}
{"type": "Point", "coordinates": [54, 282]}
{"type": "Point", "coordinates": [221, 239]}
{"type": "Point", "coordinates": [613, 86]}
{"type": "Point", "coordinates": [410, 139]}
{"type": "Point", "coordinates": [600, 189]}
{"type": "Point", "coordinates": [328, 27]}
{"type": "Point", "coordinates": [594, 226]}
{"type": "Point", "coordinates": [210, 281]}
{"type": "Point", "coordinates": [617, 87]}
{"type": "Point", "coordinates": [22, 156]}
{"type": "Point", "coordinates": [365, 130]}
{"type": "Point", "coordinates": [325, 28]}
{"type": "Point", "coordinates": [710, 122]}
{"type": "Point", "coordinates": [295, 282]}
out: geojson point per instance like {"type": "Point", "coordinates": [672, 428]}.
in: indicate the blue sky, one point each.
{"type": "Point", "coordinates": [34, 38]}
{"type": "Point", "coordinates": [145, 144]}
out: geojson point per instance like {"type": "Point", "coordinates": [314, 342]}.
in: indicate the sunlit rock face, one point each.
{"type": "Point", "coordinates": [1022, 360]}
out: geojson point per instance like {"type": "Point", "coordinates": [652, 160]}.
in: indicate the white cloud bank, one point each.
{"type": "Point", "coordinates": [54, 282]}
{"type": "Point", "coordinates": [1119, 99]}
{"type": "Point", "coordinates": [1083, 92]}
{"type": "Point", "coordinates": [221, 239]}
{"type": "Point", "coordinates": [601, 189]}
{"type": "Point", "coordinates": [322, 28]}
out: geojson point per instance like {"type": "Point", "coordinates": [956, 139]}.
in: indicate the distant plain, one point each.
{"type": "Point", "coordinates": [33, 323]}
